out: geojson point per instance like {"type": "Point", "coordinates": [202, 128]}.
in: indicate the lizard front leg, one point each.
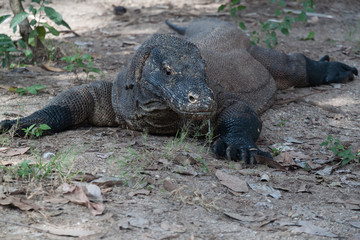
{"type": "Point", "coordinates": [238, 128]}
{"type": "Point", "coordinates": [91, 102]}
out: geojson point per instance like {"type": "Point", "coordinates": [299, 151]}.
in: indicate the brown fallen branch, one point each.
{"type": "Point", "coordinates": [70, 31]}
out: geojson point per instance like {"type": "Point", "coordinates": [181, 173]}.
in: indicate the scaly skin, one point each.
{"type": "Point", "coordinates": [214, 73]}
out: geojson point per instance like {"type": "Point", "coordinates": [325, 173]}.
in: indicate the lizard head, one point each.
{"type": "Point", "coordinates": [174, 71]}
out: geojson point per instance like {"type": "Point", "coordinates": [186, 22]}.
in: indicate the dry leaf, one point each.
{"type": "Point", "coordinates": [34, 69]}
{"type": "Point", "coordinates": [56, 200]}
{"type": "Point", "coordinates": [14, 152]}
{"type": "Point", "coordinates": [169, 186]}
{"type": "Point", "coordinates": [304, 188]}
{"type": "Point", "coordinates": [265, 190]}
{"type": "Point", "coordinates": [76, 194]}
{"type": "Point", "coordinates": [268, 162]}
{"type": "Point", "coordinates": [285, 159]}
{"type": "Point", "coordinates": [232, 182]}
{"type": "Point", "coordinates": [84, 177]}
{"type": "Point", "coordinates": [108, 182]}
{"type": "Point", "coordinates": [92, 191]}
{"type": "Point", "coordinates": [139, 222]}
{"type": "Point", "coordinates": [245, 218]}
{"type": "Point", "coordinates": [20, 203]}
{"type": "Point", "coordinates": [52, 69]}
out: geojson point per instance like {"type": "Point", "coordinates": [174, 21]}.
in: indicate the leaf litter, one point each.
{"type": "Point", "coordinates": [77, 194]}
{"type": "Point", "coordinates": [232, 182]}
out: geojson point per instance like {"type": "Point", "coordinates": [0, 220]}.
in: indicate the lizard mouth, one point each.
{"type": "Point", "coordinates": [196, 115]}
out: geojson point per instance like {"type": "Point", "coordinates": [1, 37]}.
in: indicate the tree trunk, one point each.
{"type": "Point", "coordinates": [39, 51]}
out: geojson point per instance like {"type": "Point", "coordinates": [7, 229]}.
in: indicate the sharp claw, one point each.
{"type": "Point", "coordinates": [244, 155]}
{"type": "Point", "coordinates": [355, 71]}
{"type": "Point", "coordinates": [325, 58]}
{"type": "Point", "coordinates": [251, 159]}
{"type": "Point", "coordinates": [228, 155]}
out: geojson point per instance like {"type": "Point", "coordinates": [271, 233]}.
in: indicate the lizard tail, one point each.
{"type": "Point", "coordinates": [178, 29]}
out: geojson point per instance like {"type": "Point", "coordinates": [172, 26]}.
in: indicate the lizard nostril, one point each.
{"type": "Point", "coordinates": [192, 98]}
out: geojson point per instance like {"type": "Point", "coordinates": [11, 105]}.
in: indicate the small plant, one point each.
{"type": "Point", "coordinates": [178, 143]}
{"type": "Point", "coordinates": [82, 63]}
{"type": "Point", "coordinates": [33, 37]}
{"type": "Point", "coordinates": [34, 89]}
{"type": "Point", "coordinates": [204, 165]}
{"type": "Point", "coordinates": [35, 131]}
{"type": "Point", "coordinates": [7, 46]}
{"type": "Point", "coordinates": [276, 151]}
{"type": "Point", "coordinates": [339, 150]}
{"type": "Point", "coordinates": [131, 165]}
{"type": "Point", "coordinates": [56, 168]}
{"type": "Point", "coordinates": [270, 28]}
{"type": "Point", "coordinates": [24, 169]}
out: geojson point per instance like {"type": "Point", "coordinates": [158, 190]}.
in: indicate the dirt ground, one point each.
{"type": "Point", "coordinates": [168, 188]}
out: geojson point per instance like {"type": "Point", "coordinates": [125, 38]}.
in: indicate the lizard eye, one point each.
{"type": "Point", "coordinates": [168, 70]}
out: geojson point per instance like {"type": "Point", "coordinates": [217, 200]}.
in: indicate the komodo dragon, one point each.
{"type": "Point", "coordinates": [212, 73]}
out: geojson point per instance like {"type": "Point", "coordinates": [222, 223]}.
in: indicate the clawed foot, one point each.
{"type": "Point", "coordinates": [238, 152]}
{"type": "Point", "coordinates": [6, 125]}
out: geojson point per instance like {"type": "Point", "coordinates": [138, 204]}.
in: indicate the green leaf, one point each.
{"type": "Point", "coordinates": [73, 58]}
{"type": "Point", "coordinates": [22, 44]}
{"type": "Point", "coordinates": [86, 57]}
{"type": "Point", "coordinates": [44, 127]}
{"type": "Point", "coordinates": [36, 1]}
{"type": "Point", "coordinates": [95, 70]}
{"type": "Point", "coordinates": [65, 24]}
{"type": "Point", "coordinates": [32, 37]}
{"type": "Point", "coordinates": [40, 9]}
{"type": "Point", "coordinates": [222, 7]}
{"type": "Point", "coordinates": [311, 36]}
{"type": "Point", "coordinates": [3, 18]}
{"type": "Point", "coordinates": [32, 10]}
{"type": "Point", "coordinates": [282, 3]}
{"type": "Point", "coordinates": [51, 29]}
{"type": "Point", "coordinates": [20, 91]}
{"type": "Point", "coordinates": [53, 15]}
{"type": "Point", "coordinates": [233, 12]}
{"type": "Point", "coordinates": [41, 32]}
{"type": "Point", "coordinates": [18, 19]}
{"type": "Point", "coordinates": [278, 12]}
{"type": "Point", "coordinates": [302, 16]}
{"type": "Point", "coordinates": [285, 31]}
{"type": "Point", "coordinates": [234, 2]}
{"type": "Point", "coordinates": [70, 67]}
{"type": "Point", "coordinates": [242, 25]}
{"type": "Point", "coordinates": [28, 53]}
{"type": "Point", "coordinates": [34, 89]}
{"type": "Point", "coordinates": [241, 7]}
{"type": "Point", "coordinates": [33, 22]}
